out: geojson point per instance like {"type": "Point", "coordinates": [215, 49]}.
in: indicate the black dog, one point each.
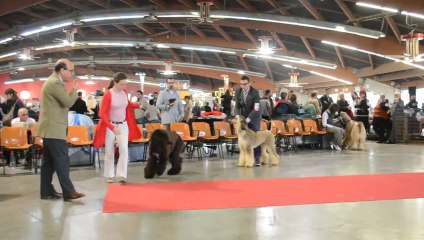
{"type": "Point", "coordinates": [164, 146]}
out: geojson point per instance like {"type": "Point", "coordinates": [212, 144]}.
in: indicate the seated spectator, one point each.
{"type": "Point", "coordinates": [196, 110]}
{"type": "Point", "coordinates": [23, 120]}
{"type": "Point", "coordinates": [330, 125]}
{"type": "Point", "coordinates": [207, 108]}
{"type": "Point", "coordinates": [152, 112]}
{"type": "Point", "coordinates": [293, 106]}
{"type": "Point", "coordinates": [282, 106]}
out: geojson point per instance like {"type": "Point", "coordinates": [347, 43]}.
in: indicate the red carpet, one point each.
{"type": "Point", "coordinates": [262, 192]}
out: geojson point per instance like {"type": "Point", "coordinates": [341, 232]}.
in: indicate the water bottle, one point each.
{"type": "Point", "coordinates": [12, 160]}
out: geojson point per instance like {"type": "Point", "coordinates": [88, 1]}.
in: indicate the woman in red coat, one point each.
{"type": "Point", "coordinates": [117, 123]}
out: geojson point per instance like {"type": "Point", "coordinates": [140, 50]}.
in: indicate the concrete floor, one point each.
{"type": "Point", "coordinates": [24, 216]}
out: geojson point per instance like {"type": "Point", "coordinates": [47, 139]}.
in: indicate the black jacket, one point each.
{"type": "Point", "coordinates": [79, 106]}
{"type": "Point", "coordinates": [248, 109]}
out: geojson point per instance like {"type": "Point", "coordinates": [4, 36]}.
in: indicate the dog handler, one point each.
{"type": "Point", "coordinates": [117, 122]}
{"type": "Point", "coordinates": [247, 104]}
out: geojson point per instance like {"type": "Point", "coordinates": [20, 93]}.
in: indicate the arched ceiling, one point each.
{"type": "Point", "coordinates": [231, 38]}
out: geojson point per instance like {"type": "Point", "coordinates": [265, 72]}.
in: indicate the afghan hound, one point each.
{"type": "Point", "coordinates": [164, 146]}
{"type": "Point", "coordinates": [248, 140]}
{"type": "Point", "coordinates": [355, 133]}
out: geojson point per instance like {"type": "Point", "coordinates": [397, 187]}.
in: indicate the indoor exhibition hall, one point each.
{"type": "Point", "coordinates": [212, 119]}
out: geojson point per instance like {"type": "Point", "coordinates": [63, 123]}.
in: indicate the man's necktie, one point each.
{"type": "Point", "coordinates": [244, 97]}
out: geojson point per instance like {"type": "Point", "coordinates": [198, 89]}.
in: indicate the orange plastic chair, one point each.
{"type": "Point", "coordinates": [151, 127]}
{"type": "Point", "coordinates": [223, 129]}
{"type": "Point", "coordinates": [264, 125]}
{"type": "Point", "coordinates": [78, 137]}
{"type": "Point", "coordinates": [278, 129]}
{"type": "Point", "coordinates": [311, 126]}
{"type": "Point", "coordinates": [295, 126]}
{"type": "Point", "coordinates": [183, 130]}
{"type": "Point", "coordinates": [12, 139]}
{"type": "Point", "coordinates": [141, 140]}
{"type": "Point", "coordinates": [37, 144]}
{"type": "Point", "coordinates": [204, 134]}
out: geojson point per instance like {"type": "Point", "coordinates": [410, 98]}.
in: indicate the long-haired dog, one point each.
{"type": "Point", "coordinates": [356, 135]}
{"type": "Point", "coordinates": [164, 146]}
{"type": "Point", "coordinates": [248, 140]}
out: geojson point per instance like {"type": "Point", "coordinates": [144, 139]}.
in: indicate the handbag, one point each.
{"type": "Point", "coordinates": [7, 118]}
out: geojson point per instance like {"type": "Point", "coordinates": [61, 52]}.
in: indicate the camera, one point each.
{"type": "Point", "coordinates": [172, 100]}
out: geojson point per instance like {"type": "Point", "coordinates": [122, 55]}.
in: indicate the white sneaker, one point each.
{"type": "Point", "coordinates": [122, 180]}
{"type": "Point", "coordinates": [110, 180]}
{"type": "Point", "coordinates": [337, 148]}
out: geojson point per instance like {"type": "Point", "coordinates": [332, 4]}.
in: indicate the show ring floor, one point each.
{"type": "Point", "coordinates": [25, 216]}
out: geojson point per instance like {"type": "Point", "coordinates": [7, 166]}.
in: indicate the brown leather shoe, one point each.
{"type": "Point", "coordinates": [72, 196]}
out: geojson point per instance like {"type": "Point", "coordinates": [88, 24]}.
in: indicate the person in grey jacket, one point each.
{"type": "Point", "coordinates": [169, 104]}
{"type": "Point", "coordinates": [247, 104]}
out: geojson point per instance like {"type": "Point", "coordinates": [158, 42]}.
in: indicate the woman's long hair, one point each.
{"type": "Point", "coordinates": [116, 78]}
{"type": "Point", "coordinates": [11, 92]}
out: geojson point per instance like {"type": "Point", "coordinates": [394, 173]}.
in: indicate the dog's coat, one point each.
{"type": "Point", "coordinates": [355, 133]}
{"type": "Point", "coordinates": [164, 146]}
{"type": "Point", "coordinates": [248, 140]}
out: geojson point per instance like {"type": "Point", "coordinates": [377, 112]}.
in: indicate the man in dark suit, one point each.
{"type": "Point", "coordinates": [55, 103]}
{"type": "Point", "coordinates": [79, 106]}
{"type": "Point", "coordinates": [247, 104]}
{"type": "Point", "coordinates": [325, 100]}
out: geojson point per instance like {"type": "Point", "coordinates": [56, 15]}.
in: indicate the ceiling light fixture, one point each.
{"type": "Point", "coordinates": [6, 40]}
{"type": "Point", "coordinates": [368, 5]}
{"type": "Point", "coordinates": [46, 28]}
{"type": "Point", "coordinates": [412, 14]}
{"type": "Point", "coordinates": [110, 44]}
{"type": "Point", "coordinates": [49, 47]}
{"type": "Point", "coordinates": [294, 60]}
{"type": "Point", "coordinates": [208, 50]}
{"type": "Point", "coordinates": [19, 81]}
{"type": "Point", "coordinates": [8, 54]}
{"type": "Point", "coordinates": [100, 18]}
{"type": "Point", "coordinates": [330, 77]}
{"type": "Point", "coordinates": [375, 54]}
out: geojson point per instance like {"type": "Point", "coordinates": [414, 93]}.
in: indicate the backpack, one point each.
{"type": "Point", "coordinates": [281, 108]}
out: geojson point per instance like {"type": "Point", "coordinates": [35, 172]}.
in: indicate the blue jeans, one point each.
{"type": "Point", "coordinates": [257, 150]}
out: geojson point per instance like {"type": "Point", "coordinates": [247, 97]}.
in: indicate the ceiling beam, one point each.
{"type": "Point", "coordinates": [160, 3]}
{"type": "Point", "coordinates": [198, 58]}
{"type": "Point", "coordinates": [130, 3]}
{"type": "Point", "coordinates": [101, 3]}
{"type": "Point", "coordinates": [246, 4]}
{"type": "Point", "coordinates": [197, 31]}
{"type": "Point", "coordinates": [187, 3]}
{"type": "Point", "coordinates": [123, 29]}
{"type": "Point", "coordinates": [346, 10]}
{"type": "Point", "coordinates": [172, 29]}
{"type": "Point", "coordinates": [222, 32]}
{"type": "Point", "coordinates": [33, 14]}
{"type": "Point", "coordinates": [401, 75]}
{"type": "Point", "coordinates": [308, 46]}
{"type": "Point", "coordinates": [243, 61]}
{"type": "Point", "coordinates": [383, 69]}
{"type": "Point", "coordinates": [279, 42]}
{"type": "Point", "coordinates": [145, 28]}
{"type": "Point", "coordinates": [250, 36]}
{"type": "Point", "coordinates": [7, 6]}
{"type": "Point", "coordinates": [73, 4]}
{"type": "Point", "coordinates": [273, 3]}
{"type": "Point", "coordinates": [371, 61]}
{"type": "Point", "coordinates": [340, 56]}
{"type": "Point", "coordinates": [154, 55]}
{"type": "Point", "coordinates": [307, 4]}
{"type": "Point", "coordinates": [174, 54]}
{"type": "Point", "coordinates": [394, 27]}
{"type": "Point", "coordinates": [53, 7]}
{"type": "Point", "coordinates": [220, 59]}
{"type": "Point", "coordinates": [268, 69]}
{"type": "Point", "coordinates": [100, 29]}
